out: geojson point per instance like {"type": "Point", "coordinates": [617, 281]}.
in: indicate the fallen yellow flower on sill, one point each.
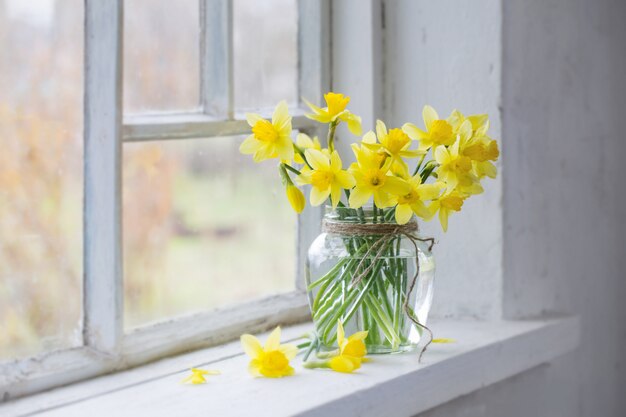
{"type": "Point", "coordinates": [271, 361]}
{"type": "Point", "coordinates": [443, 340]}
{"type": "Point", "coordinates": [198, 376]}
{"type": "Point", "coordinates": [350, 355]}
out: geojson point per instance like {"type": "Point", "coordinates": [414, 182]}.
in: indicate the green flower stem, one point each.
{"type": "Point", "coordinates": [359, 299]}
{"type": "Point", "coordinates": [331, 135]}
{"type": "Point", "coordinates": [382, 320]}
{"type": "Point", "coordinates": [325, 309]}
{"type": "Point", "coordinates": [327, 355]}
{"type": "Point", "coordinates": [300, 152]}
{"type": "Point", "coordinates": [323, 295]}
{"type": "Point", "coordinates": [375, 213]}
{"type": "Point", "coordinates": [419, 164]}
{"type": "Point", "coordinates": [284, 175]}
{"type": "Point", "coordinates": [330, 274]}
{"type": "Point", "coordinates": [292, 169]}
{"type": "Point", "coordinates": [316, 365]}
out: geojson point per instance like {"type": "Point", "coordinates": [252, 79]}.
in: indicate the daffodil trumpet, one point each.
{"type": "Point", "coordinates": [397, 174]}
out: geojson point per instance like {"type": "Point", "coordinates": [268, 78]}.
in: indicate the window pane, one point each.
{"type": "Point", "coordinates": [204, 227]}
{"type": "Point", "coordinates": [41, 47]}
{"type": "Point", "coordinates": [161, 55]}
{"type": "Point", "coordinates": [266, 52]}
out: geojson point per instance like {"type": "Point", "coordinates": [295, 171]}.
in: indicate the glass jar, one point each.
{"type": "Point", "coordinates": [371, 274]}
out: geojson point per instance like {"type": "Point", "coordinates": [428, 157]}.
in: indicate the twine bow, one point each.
{"type": "Point", "coordinates": [387, 232]}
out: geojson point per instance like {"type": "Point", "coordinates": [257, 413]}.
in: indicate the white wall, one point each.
{"type": "Point", "coordinates": [550, 235]}
{"type": "Point", "coordinates": [560, 77]}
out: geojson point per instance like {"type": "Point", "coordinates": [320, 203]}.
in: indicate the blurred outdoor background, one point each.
{"type": "Point", "coordinates": [204, 227]}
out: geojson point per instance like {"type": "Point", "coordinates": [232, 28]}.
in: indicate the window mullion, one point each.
{"type": "Point", "coordinates": [313, 81]}
{"type": "Point", "coordinates": [103, 287]}
{"type": "Point", "coordinates": [216, 58]}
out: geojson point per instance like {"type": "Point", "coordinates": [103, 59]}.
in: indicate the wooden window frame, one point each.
{"type": "Point", "coordinates": [105, 347]}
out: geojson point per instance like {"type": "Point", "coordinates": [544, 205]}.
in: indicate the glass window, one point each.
{"type": "Point", "coordinates": [265, 36]}
{"type": "Point", "coordinates": [41, 176]}
{"type": "Point", "coordinates": [161, 55]}
{"type": "Point", "coordinates": [204, 227]}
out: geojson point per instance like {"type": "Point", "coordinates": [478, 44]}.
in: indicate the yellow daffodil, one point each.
{"type": "Point", "coordinates": [353, 345]}
{"type": "Point", "coordinates": [394, 143]}
{"type": "Point", "coordinates": [269, 139]}
{"type": "Point", "coordinates": [271, 361]}
{"type": "Point", "coordinates": [336, 110]}
{"type": "Point", "coordinates": [452, 165]}
{"type": "Point", "coordinates": [446, 205]}
{"type": "Point", "coordinates": [326, 177]}
{"type": "Point", "coordinates": [413, 201]}
{"type": "Point", "coordinates": [438, 131]}
{"type": "Point", "coordinates": [304, 142]}
{"type": "Point", "coordinates": [198, 376]}
{"type": "Point", "coordinates": [296, 198]}
{"type": "Point", "coordinates": [482, 150]}
{"type": "Point", "coordinates": [350, 354]}
{"type": "Point", "coordinates": [372, 180]}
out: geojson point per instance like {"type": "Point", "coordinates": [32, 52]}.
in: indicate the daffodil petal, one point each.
{"type": "Point", "coordinates": [317, 110]}
{"type": "Point", "coordinates": [441, 155]}
{"type": "Point", "coordinates": [381, 129]}
{"type": "Point", "coordinates": [465, 131]}
{"type": "Point", "coordinates": [341, 334]}
{"type": "Point", "coordinates": [317, 196]}
{"type": "Point", "coordinates": [429, 191]}
{"type": "Point", "coordinates": [335, 194]}
{"type": "Point", "coordinates": [403, 213]}
{"type": "Point", "coordinates": [382, 199]}
{"type": "Point", "coordinates": [430, 115]}
{"type": "Point", "coordinates": [396, 186]}
{"type": "Point", "coordinates": [273, 340]}
{"type": "Point", "coordinates": [369, 137]}
{"type": "Point", "coordinates": [342, 364]}
{"type": "Point", "coordinates": [335, 161]}
{"type": "Point", "coordinates": [252, 118]}
{"type": "Point", "coordinates": [290, 351]}
{"type": "Point", "coordinates": [254, 367]}
{"type": "Point", "coordinates": [443, 340]}
{"type": "Point", "coordinates": [411, 153]}
{"type": "Point", "coordinates": [304, 141]}
{"type": "Point", "coordinates": [344, 179]}
{"type": "Point", "coordinates": [251, 345]}
{"type": "Point", "coordinates": [322, 118]}
{"type": "Point", "coordinates": [413, 131]}
{"type": "Point", "coordinates": [285, 148]}
{"type": "Point", "coordinates": [353, 121]}
{"type": "Point", "coordinates": [281, 117]}
{"type": "Point", "coordinates": [359, 196]}
{"type": "Point", "coordinates": [250, 145]}
{"type": "Point", "coordinates": [317, 159]}
{"type": "Point", "coordinates": [443, 219]}
{"type": "Point", "coordinates": [420, 209]}
{"type": "Point", "coordinates": [360, 335]}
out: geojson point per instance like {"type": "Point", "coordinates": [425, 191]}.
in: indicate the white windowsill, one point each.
{"type": "Point", "coordinates": [484, 353]}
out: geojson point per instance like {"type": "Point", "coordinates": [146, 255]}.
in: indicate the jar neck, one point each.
{"type": "Point", "coordinates": [363, 215]}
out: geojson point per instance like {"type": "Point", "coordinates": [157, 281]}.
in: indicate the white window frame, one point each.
{"type": "Point", "coordinates": [105, 347]}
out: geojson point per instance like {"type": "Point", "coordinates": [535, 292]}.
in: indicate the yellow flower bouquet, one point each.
{"type": "Point", "coordinates": [370, 269]}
